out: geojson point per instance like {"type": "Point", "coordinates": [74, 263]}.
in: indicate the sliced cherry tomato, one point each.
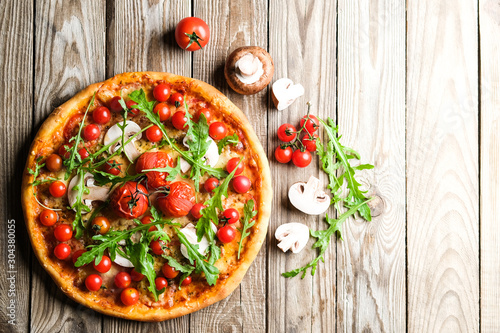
{"type": "Point", "coordinates": [153, 160]}
{"type": "Point", "coordinates": [287, 133]}
{"type": "Point", "coordinates": [232, 215]}
{"type": "Point", "coordinates": [62, 251]}
{"type": "Point", "coordinates": [241, 184]}
{"type": "Point", "coordinates": [205, 112]}
{"type": "Point", "coordinates": [158, 247]}
{"type": "Point", "coordinates": [101, 115]}
{"type": "Point", "coordinates": [131, 110]}
{"type": "Point", "coordinates": [147, 220]}
{"type": "Point", "coordinates": [211, 184]}
{"type": "Point", "coordinates": [226, 234]}
{"type": "Point", "coordinates": [192, 34]}
{"type": "Point", "coordinates": [112, 167]}
{"type": "Point", "coordinates": [312, 123]}
{"type": "Point", "coordinates": [114, 104]}
{"type": "Point", "coordinates": [129, 296]}
{"type": "Point", "coordinates": [63, 232]}
{"type": "Point", "coordinates": [54, 163]}
{"type": "Point", "coordinates": [196, 211]}
{"type": "Point", "coordinates": [123, 280]}
{"type": "Point", "coordinates": [169, 271]}
{"type": "Point", "coordinates": [104, 265]}
{"type": "Point", "coordinates": [301, 158]}
{"type": "Point", "coordinates": [179, 120]}
{"type": "Point", "coordinates": [310, 143]}
{"type": "Point", "coordinates": [129, 200]}
{"type": "Point", "coordinates": [161, 92]}
{"type": "Point", "coordinates": [283, 155]}
{"type": "Point", "coordinates": [154, 134]}
{"type": "Point", "coordinates": [77, 255]}
{"type": "Point", "coordinates": [136, 276]}
{"type": "Point", "coordinates": [91, 132]}
{"type": "Point", "coordinates": [187, 281]}
{"type": "Point", "coordinates": [57, 189]}
{"type": "Point", "coordinates": [217, 130]}
{"type": "Point", "coordinates": [48, 217]}
{"type": "Point", "coordinates": [233, 163]}
{"type": "Point", "coordinates": [161, 283]}
{"type": "Point", "coordinates": [100, 225]}
{"type": "Point", "coordinates": [179, 201]}
{"type": "Point", "coordinates": [93, 282]}
{"type": "Point", "coordinates": [83, 152]}
{"type": "Point", "coordinates": [176, 99]}
{"type": "Point", "coordinates": [162, 110]}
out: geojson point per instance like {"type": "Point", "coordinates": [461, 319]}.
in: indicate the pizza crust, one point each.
{"type": "Point", "coordinates": [55, 123]}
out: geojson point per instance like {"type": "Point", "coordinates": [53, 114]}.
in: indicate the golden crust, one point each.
{"type": "Point", "coordinates": [223, 288]}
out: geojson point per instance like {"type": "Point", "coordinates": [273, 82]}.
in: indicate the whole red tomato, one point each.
{"type": "Point", "coordinates": [192, 33]}
{"type": "Point", "coordinates": [129, 201]}
{"type": "Point", "coordinates": [152, 160]}
{"type": "Point", "coordinates": [179, 200]}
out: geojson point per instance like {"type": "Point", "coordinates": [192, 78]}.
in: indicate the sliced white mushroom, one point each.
{"type": "Point", "coordinates": [284, 93]}
{"type": "Point", "coordinates": [95, 193]}
{"type": "Point", "coordinates": [211, 157]}
{"type": "Point", "coordinates": [309, 197]}
{"type": "Point", "coordinates": [292, 236]}
{"type": "Point", "coordinates": [124, 262]}
{"type": "Point", "coordinates": [190, 232]}
{"type": "Point", "coordinates": [131, 128]}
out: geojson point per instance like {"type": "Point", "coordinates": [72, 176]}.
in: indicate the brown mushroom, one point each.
{"type": "Point", "coordinates": [249, 69]}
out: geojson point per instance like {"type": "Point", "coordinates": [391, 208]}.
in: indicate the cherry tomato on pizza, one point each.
{"type": "Point", "coordinates": [62, 251]}
{"type": "Point", "coordinates": [169, 271]}
{"type": "Point", "coordinates": [162, 92]}
{"type": "Point", "coordinates": [231, 215]}
{"type": "Point", "coordinates": [130, 106]}
{"type": "Point", "coordinates": [211, 184]}
{"type": "Point", "coordinates": [217, 130]}
{"type": "Point", "coordinates": [57, 189]}
{"type": "Point", "coordinates": [178, 201]}
{"type": "Point", "coordinates": [93, 282]}
{"type": "Point", "coordinates": [154, 134]}
{"type": "Point", "coordinates": [54, 163]}
{"type": "Point", "coordinates": [101, 115]}
{"type": "Point", "coordinates": [77, 255]}
{"type": "Point", "coordinates": [241, 184]}
{"type": "Point", "coordinates": [160, 283]}
{"type": "Point", "coordinates": [112, 167]}
{"type": "Point", "coordinates": [129, 200]}
{"type": "Point", "coordinates": [63, 232]}
{"type": "Point", "coordinates": [158, 247]}
{"type": "Point", "coordinates": [234, 163]}
{"type": "Point", "coordinates": [187, 281]}
{"type": "Point", "coordinates": [162, 110]}
{"type": "Point", "coordinates": [205, 112]}
{"type": "Point", "coordinates": [48, 217]}
{"type": "Point", "coordinates": [123, 280]}
{"type": "Point", "coordinates": [91, 132]}
{"type": "Point", "coordinates": [129, 296]}
{"type": "Point", "coordinates": [104, 265]}
{"type": "Point", "coordinates": [153, 160]}
{"type": "Point", "coordinates": [136, 276]}
{"type": "Point", "coordinates": [114, 104]}
{"type": "Point", "coordinates": [226, 234]}
{"type": "Point", "coordinates": [196, 211]}
{"type": "Point", "coordinates": [176, 99]}
{"type": "Point", "coordinates": [147, 220]}
{"type": "Point", "coordinates": [192, 34]}
{"type": "Point", "coordinates": [100, 225]}
{"type": "Point", "coordinates": [179, 120]}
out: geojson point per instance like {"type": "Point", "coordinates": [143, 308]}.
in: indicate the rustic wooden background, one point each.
{"type": "Point", "coordinates": [414, 86]}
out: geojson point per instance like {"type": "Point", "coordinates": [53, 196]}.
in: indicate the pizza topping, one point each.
{"type": "Point", "coordinates": [93, 282]}
{"type": "Point", "coordinates": [122, 280]}
{"type": "Point", "coordinates": [241, 184]}
{"type": "Point", "coordinates": [127, 131]}
{"type": "Point", "coordinates": [100, 225]}
{"type": "Point", "coordinates": [155, 160]}
{"type": "Point", "coordinates": [122, 261]}
{"type": "Point", "coordinates": [130, 200]}
{"type": "Point", "coordinates": [62, 251]}
{"type": "Point", "coordinates": [211, 156]}
{"type": "Point", "coordinates": [217, 130]}
{"type": "Point", "coordinates": [53, 162]}
{"type": "Point", "coordinates": [309, 197]}
{"type": "Point", "coordinates": [162, 92]}
{"type": "Point", "coordinates": [91, 192]}
{"type": "Point", "coordinates": [103, 265]}
{"type": "Point", "coordinates": [57, 189]}
{"type": "Point", "coordinates": [226, 234]}
{"type": "Point", "coordinates": [292, 236]}
{"type": "Point", "coordinates": [48, 217]}
{"type": "Point", "coordinates": [63, 232]}
{"type": "Point", "coordinates": [129, 296]}
{"type": "Point", "coordinates": [230, 139]}
{"type": "Point", "coordinates": [211, 184]}
{"type": "Point", "coordinates": [178, 200]}
{"type": "Point", "coordinates": [101, 115]}
{"type": "Point", "coordinates": [284, 93]}
{"type": "Point", "coordinates": [248, 214]}
{"type": "Point", "coordinates": [190, 232]}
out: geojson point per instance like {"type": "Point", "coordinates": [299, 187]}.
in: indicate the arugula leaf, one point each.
{"type": "Point", "coordinates": [36, 182]}
{"type": "Point", "coordinates": [230, 139]}
{"type": "Point", "coordinates": [211, 272]}
{"type": "Point", "coordinates": [323, 238]}
{"type": "Point", "coordinates": [102, 178]}
{"type": "Point", "coordinates": [159, 233]}
{"type": "Point", "coordinates": [79, 205]}
{"type": "Point", "coordinates": [185, 269]}
{"type": "Point", "coordinates": [249, 214]}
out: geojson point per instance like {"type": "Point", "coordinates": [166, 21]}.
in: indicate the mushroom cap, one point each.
{"type": "Point", "coordinates": [230, 70]}
{"type": "Point", "coordinates": [190, 232]}
{"type": "Point", "coordinates": [284, 93]}
{"type": "Point", "coordinates": [292, 236]}
{"type": "Point", "coordinates": [124, 262]}
{"type": "Point", "coordinates": [95, 192]}
{"type": "Point", "coordinates": [115, 132]}
{"type": "Point", "coordinates": [309, 197]}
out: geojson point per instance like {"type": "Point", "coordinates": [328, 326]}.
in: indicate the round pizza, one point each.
{"type": "Point", "coordinates": [147, 196]}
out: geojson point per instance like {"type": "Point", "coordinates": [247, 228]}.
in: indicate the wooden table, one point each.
{"type": "Point", "coordinates": [414, 87]}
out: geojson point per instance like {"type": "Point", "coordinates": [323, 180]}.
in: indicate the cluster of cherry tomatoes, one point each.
{"type": "Point", "coordinates": [298, 145]}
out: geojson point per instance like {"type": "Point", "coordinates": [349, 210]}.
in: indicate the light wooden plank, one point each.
{"type": "Point", "coordinates": [489, 26]}
{"type": "Point", "coordinates": [16, 87]}
{"type": "Point", "coordinates": [302, 43]}
{"type": "Point", "coordinates": [69, 53]}
{"type": "Point", "coordinates": [140, 37]}
{"type": "Point", "coordinates": [371, 269]}
{"type": "Point", "coordinates": [442, 166]}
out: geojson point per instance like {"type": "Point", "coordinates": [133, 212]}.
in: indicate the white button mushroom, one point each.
{"type": "Point", "coordinates": [190, 232]}
{"type": "Point", "coordinates": [284, 93]}
{"type": "Point", "coordinates": [211, 157]}
{"type": "Point", "coordinates": [95, 193]}
{"type": "Point", "coordinates": [292, 236]}
{"type": "Point", "coordinates": [115, 132]}
{"type": "Point", "coordinates": [308, 197]}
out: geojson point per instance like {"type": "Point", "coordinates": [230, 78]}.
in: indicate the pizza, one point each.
{"type": "Point", "coordinates": [147, 196]}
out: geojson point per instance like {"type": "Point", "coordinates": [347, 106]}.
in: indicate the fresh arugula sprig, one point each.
{"type": "Point", "coordinates": [230, 139]}
{"type": "Point", "coordinates": [79, 206]}
{"type": "Point", "coordinates": [185, 269]}
{"type": "Point", "coordinates": [158, 233]}
{"type": "Point", "coordinates": [249, 214]}
{"type": "Point", "coordinates": [103, 178]}
{"type": "Point", "coordinates": [37, 182]}
{"type": "Point", "coordinates": [202, 265]}
{"type": "Point", "coordinates": [323, 239]}
{"type": "Point", "coordinates": [139, 96]}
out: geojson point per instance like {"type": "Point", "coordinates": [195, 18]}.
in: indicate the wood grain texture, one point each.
{"type": "Point", "coordinates": [69, 41]}
{"type": "Point", "coordinates": [297, 29]}
{"type": "Point", "coordinates": [489, 25]}
{"type": "Point", "coordinates": [16, 60]}
{"type": "Point", "coordinates": [140, 37]}
{"type": "Point", "coordinates": [371, 270]}
{"type": "Point", "coordinates": [442, 167]}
